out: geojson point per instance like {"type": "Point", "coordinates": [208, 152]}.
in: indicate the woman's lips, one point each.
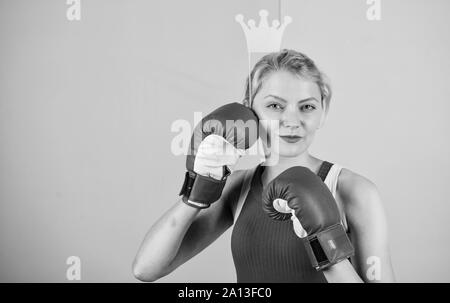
{"type": "Point", "coordinates": [291, 139]}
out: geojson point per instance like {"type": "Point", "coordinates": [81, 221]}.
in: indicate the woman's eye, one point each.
{"type": "Point", "coordinates": [308, 107]}
{"type": "Point", "coordinates": [274, 106]}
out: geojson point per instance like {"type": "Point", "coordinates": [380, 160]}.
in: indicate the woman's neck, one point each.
{"type": "Point", "coordinates": [283, 163]}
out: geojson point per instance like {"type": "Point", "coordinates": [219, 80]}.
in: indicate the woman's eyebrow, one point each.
{"type": "Point", "coordinates": [283, 100]}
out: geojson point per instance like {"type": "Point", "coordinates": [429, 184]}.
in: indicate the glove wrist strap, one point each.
{"type": "Point", "coordinates": [199, 191]}
{"type": "Point", "coordinates": [328, 247]}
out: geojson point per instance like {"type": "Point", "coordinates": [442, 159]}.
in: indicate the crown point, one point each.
{"type": "Point", "coordinates": [239, 18]}
{"type": "Point", "coordinates": [275, 23]}
{"type": "Point", "coordinates": [251, 23]}
{"type": "Point", "coordinates": [263, 13]}
{"type": "Point", "coordinates": [287, 19]}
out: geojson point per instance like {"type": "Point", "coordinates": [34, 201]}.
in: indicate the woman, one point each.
{"type": "Point", "coordinates": [288, 87]}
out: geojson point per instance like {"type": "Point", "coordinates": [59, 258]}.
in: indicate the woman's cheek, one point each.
{"type": "Point", "coordinates": [270, 127]}
{"type": "Point", "coordinates": [312, 124]}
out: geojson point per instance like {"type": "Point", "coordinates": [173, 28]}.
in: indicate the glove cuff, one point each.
{"type": "Point", "coordinates": [199, 191]}
{"type": "Point", "coordinates": [328, 247]}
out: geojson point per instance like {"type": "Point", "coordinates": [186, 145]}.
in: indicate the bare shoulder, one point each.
{"type": "Point", "coordinates": [353, 187]}
{"type": "Point", "coordinates": [233, 180]}
{"type": "Point", "coordinates": [232, 189]}
{"type": "Point", "coordinates": [220, 213]}
{"type": "Point", "coordinates": [359, 195]}
{"type": "Point", "coordinates": [367, 223]}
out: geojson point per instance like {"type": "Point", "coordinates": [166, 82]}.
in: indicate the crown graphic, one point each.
{"type": "Point", "coordinates": [263, 38]}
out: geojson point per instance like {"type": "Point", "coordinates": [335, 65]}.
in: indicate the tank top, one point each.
{"type": "Point", "coordinates": [268, 251]}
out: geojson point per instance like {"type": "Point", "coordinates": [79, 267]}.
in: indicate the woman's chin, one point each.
{"type": "Point", "coordinates": [285, 150]}
{"type": "Point", "coordinates": [290, 150]}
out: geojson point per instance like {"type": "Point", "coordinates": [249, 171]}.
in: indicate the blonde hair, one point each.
{"type": "Point", "coordinates": [291, 61]}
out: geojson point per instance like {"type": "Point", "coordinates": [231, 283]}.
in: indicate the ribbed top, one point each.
{"type": "Point", "coordinates": [266, 250]}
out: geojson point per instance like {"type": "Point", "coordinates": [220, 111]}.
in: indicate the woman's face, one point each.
{"type": "Point", "coordinates": [294, 106]}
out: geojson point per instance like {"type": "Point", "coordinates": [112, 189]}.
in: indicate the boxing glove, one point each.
{"type": "Point", "coordinates": [216, 144]}
{"type": "Point", "coordinates": [299, 194]}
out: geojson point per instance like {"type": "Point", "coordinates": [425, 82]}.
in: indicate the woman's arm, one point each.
{"type": "Point", "coordinates": [182, 232]}
{"type": "Point", "coordinates": [368, 229]}
{"type": "Point", "coordinates": [342, 272]}
{"type": "Point", "coordinates": [162, 242]}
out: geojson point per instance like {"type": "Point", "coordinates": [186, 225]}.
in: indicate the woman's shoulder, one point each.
{"type": "Point", "coordinates": [356, 190]}
{"type": "Point", "coordinates": [234, 183]}
{"type": "Point", "coordinates": [362, 204]}
{"type": "Point", "coordinates": [238, 181]}
{"type": "Point", "coordinates": [237, 176]}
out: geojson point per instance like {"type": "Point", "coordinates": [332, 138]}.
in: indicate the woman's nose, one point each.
{"type": "Point", "coordinates": [291, 118]}
{"type": "Point", "coordinates": [291, 125]}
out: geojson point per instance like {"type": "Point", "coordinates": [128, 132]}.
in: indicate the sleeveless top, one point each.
{"type": "Point", "coordinates": [268, 251]}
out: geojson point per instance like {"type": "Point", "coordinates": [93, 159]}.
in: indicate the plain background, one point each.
{"type": "Point", "coordinates": [86, 109]}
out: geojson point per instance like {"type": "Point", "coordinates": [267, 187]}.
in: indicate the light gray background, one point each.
{"type": "Point", "coordinates": [86, 109]}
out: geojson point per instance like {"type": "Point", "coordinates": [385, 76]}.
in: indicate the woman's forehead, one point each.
{"type": "Point", "coordinates": [289, 86]}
